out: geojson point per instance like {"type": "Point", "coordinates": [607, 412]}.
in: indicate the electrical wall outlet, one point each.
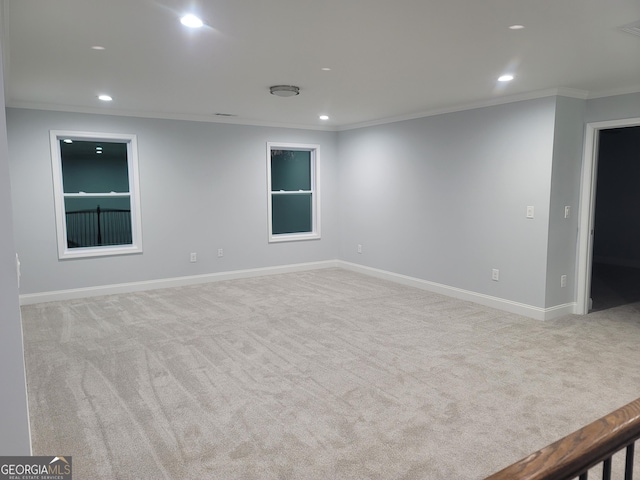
{"type": "Point", "coordinates": [193, 258]}
{"type": "Point", "coordinates": [495, 275]}
{"type": "Point", "coordinates": [359, 248]}
{"type": "Point", "coordinates": [18, 269]}
{"type": "Point", "coordinates": [220, 253]}
{"type": "Point", "coordinates": [563, 281]}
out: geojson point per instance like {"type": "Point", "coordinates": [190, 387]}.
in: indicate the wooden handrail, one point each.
{"type": "Point", "coordinates": [576, 453]}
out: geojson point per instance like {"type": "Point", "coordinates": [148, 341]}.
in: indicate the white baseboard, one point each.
{"type": "Point", "coordinates": [560, 310]}
{"type": "Point", "coordinates": [487, 300]}
{"type": "Point", "coordinates": [54, 296]}
{"type": "Point", "coordinates": [482, 299]}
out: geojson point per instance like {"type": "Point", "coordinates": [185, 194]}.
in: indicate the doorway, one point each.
{"type": "Point", "coordinates": [609, 240]}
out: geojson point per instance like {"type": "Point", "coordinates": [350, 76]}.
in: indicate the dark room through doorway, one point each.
{"type": "Point", "coordinates": [615, 275]}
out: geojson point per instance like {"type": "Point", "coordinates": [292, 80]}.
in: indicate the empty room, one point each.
{"type": "Point", "coordinates": [307, 240]}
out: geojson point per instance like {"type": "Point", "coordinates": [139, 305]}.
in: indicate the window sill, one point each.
{"type": "Point", "coordinates": [293, 237]}
{"type": "Point", "coordinates": [87, 252]}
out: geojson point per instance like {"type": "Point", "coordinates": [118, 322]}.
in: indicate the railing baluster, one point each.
{"type": "Point", "coordinates": [628, 467]}
{"type": "Point", "coordinates": [606, 469]}
{"type": "Point", "coordinates": [99, 229]}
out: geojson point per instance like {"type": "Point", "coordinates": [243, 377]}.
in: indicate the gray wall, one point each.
{"type": "Point", "coordinates": [613, 108]}
{"type": "Point", "coordinates": [565, 191]}
{"type": "Point", "coordinates": [203, 187]}
{"type": "Point", "coordinates": [14, 433]}
{"type": "Point", "coordinates": [440, 198]}
{"type": "Point", "coordinates": [444, 198]}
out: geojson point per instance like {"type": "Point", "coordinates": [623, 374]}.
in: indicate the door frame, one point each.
{"type": "Point", "coordinates": [588, 205]}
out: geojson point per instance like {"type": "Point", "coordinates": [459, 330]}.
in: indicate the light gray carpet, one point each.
{"type": "Point", "coordinates": [326, 374]}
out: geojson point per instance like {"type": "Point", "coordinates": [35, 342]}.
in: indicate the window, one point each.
{"type": "Point", "coordinates": [294, 191]}
{"type": "Point", "coordinates": [95, 182]}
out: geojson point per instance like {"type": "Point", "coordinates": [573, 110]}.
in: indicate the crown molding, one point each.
{"type": "Point", "coordinates": [561, 92]}
{"type": "Point", "coordinates": [555, 92]}
{"type": "Point", "coordinates": [166, 116]}
{"type": "Point", "coordinates": [615, 92]}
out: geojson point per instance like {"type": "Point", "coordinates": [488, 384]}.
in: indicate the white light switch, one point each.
{"type": "Point", "coordinates": [530, 211]}
{"type": "Point", "coordinates": [567, 211]}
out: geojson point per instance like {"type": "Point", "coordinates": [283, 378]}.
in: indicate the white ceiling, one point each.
{"type": "Point", "coordinates": [389, 59]}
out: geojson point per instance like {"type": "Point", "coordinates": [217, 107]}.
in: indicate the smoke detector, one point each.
{"type": "Point", "coordinates": [632, 28]}
{"type": "Point", "coordinates": [284, 90]}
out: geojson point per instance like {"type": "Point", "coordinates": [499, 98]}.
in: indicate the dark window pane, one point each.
{"type": "Point", "coordinates": [291, 213]}
{"type": "Point", "coordinates": [290, 170]}
{"type": "Point", "coordinates": [84, 170]}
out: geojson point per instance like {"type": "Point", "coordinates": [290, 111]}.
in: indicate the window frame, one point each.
{"type": "Point", "coordinates": [314, 233]}
{"type": "Point", "coordinates": [64, 252]}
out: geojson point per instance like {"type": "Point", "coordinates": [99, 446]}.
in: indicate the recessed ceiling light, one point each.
{"type": "Point", "coordinates": [97, 47]}
{"type": "Point", "coordinates": [105, 98]}
{"type": "Point", "coordinates": [98, 147]}
{"type": "Point", "coordinates": [191, 21]}
{"type": "Point", "coordinates": [325, 69]}
{"type": "Point", "coordinates": [505, 78]}
{"type": "Point", "coordinates": [324, 117]}
{"type": "Point", "coordinates": [516, 27]}
{"type": "Point", "coordinates": [67, 140]}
